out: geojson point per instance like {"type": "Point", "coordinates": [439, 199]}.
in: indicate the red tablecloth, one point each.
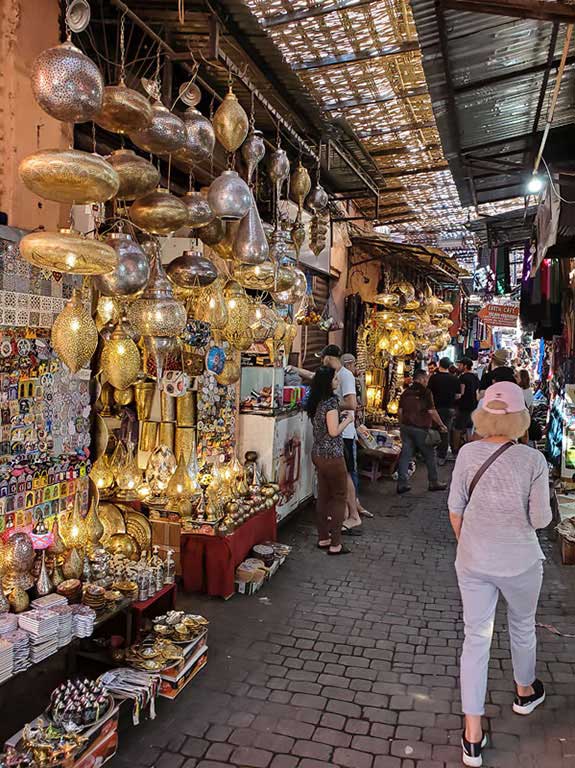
{"type": "Point", "coordinates": [209, 562]}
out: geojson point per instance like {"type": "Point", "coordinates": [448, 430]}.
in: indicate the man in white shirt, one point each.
{"type": "Point", "coordinates": [346, 392]}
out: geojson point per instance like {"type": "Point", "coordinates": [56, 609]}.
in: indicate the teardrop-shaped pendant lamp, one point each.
{"type": "Point", "coordinates": [157, 312]}
{"type": "Point", "coordinates": [253, 152]}
{"type": "Point", "coordinates": [231, 123]}
{"type": "Point", "coordinates": [74, 334]}
{"type": "Point", "coordinates": [229, 196]}
{"type": "Point", "coordinates": [132, 271]}
{"type": "Point", "coordinates": [121, 361]}
{"type": "Point", "coordinates": [200, 138]}
{"type": "Point", "coordinates": [251, 244]}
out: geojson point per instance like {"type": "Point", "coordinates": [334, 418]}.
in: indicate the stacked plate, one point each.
{"type": "Point", "coordinates": [94, 597]}
{"type": "Point", "coordinates": [49, 601]}
{"type": "Point", "coordinates": [83, 621]}
{"type": "Point", "coordinates": [127, 588]}
{"type": "Point", "coordinates": [21, 647]}
{"type": "Point", "coordinates": [8, 623]}
{"type": "Point", "coordinates": [6, 660]}
{"type": "Point", "coordinates": [65, 624]}
{"type": "Point", "coordinates": [42, 626]}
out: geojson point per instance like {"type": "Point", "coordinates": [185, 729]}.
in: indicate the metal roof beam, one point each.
{"type": "Point", "coordinates": [402, 150]}
{"type": "Point", "coordinates": [521, 9]}
{"type": "Point", "coordinates": [279, 19]}
{"type": "Point", "coordinates": [504, 77]}
{"type": "Point", "coordinates": [331, 106]}
{"type": "Point", "coordinates": [414, 171]}
{"type": "Point", "coordinates": [350, 58]}
{"type": "Point", "coordinates": [412, 127]}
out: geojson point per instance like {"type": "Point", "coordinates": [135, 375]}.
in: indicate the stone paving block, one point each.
{"type": "Point", "coordinates": [250, 757]}
{"type": "Point", "coordinates": [413, 750]}
{"type": "Point", "coordinates": [194, 747]}
{"type": "Point", "coordinates": [382, 731]}
{"type": "Point", "coordinates": [219, 752]}
{"type": "Point", "coordinates": [223, 732]}
{"type": "Point", "coordinates": [275, 742]}
{"type": "Point", "coordinates": [309, 700]}
{"type": "Point", "coordinates": [335, 738]}
{"type": "Point", "coordinates": [284, 761]}
{"type": "Point", "coordinates": [370, 744]}
{"type": "Point", "coordinates": [295, 728]}
{"type": "Point", "coordinates": [351, 758]}
{"type": "Point", "coordinates": [170, 760]}
{"type": "Point", "coordinates": [312, 749]}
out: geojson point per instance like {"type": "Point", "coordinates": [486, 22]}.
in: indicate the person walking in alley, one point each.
{"type": "Point", "coordinates": [499, 497]}
{"type": "Point", "coordinates": [417, 415]}
{"type": "Point", "coordinates": [328, 457]}
{"type": "Point", "coordinates": [465, 405]}
{"type": "Point", "coordinates": [445, 389]}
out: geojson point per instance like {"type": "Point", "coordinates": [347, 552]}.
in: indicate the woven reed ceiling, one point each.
{"type": "Point", "coordinates": [382, 95]}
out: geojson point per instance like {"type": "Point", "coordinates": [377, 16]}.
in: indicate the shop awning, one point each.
{"type": "Point", "coordinates": [426, 260]}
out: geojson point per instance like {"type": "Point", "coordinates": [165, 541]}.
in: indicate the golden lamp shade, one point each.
{"type": "Point", "coordinates": [123, 397]}
{"type": "Point", "coordinates": [300, 184]}
{"type": "Point", "coordinates": [289, 338]}
{"type": "Point", "coordinates": [157, 312]}
{"type": "Point", "coordinates": [101, 474]}
{"type": "Point", "coordinates": [68, 251]}
{"type": "Point", "coordinates": [210, 306]}
{"type": "Point", "coordinates": [69, 176]}
{"type": "Point", "coordinates": [120, 361]}
{"type": "Point", "coordinates": [124, 110]}
{"type": "Point", "coordinates": [124, 544]}
{"type": "Point", "coordinates": [74, 334]}
{"type": "Point", "coordinates": [165, 134]}
{"type": "Point", "coordinates": [159, 212]}
{"type": "Point", "coordinates": [231, 372]}
{"type": "Point", "coordinates": [296, 292]}
{"type": "Point", "coordinates": [137, 175]}
{"type": "Point", "coordinates": [261, 277]}
{"type": "Point", "coordinates": [231, 123]}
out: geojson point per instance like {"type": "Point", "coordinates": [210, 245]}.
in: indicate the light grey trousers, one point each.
{"type": "Point", "coordinates": [480, 594]}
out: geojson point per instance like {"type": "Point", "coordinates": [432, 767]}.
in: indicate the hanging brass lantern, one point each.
{"type": "Point", "coordinates": [132, 271]}
{"type": "Point", "coordinates": [278, 168]}
{"type": "Point", "coordinates": [261, 277]}
{"type": "Point", "coordinates": [212, 233]}
{"type": "Point", "coordinates": [225, 247]}
{"type": "Point", "coordinates": [295, 293]}
{"type": "Point", "coordinates": [124, 110]}
{"type": "Point", "coordinates": [69, 176]}
{"type": "Point", "coordinates": [68, 251]}
{"type": "Point", "coordinates": [120, 361]}
{"type": "Point", "coordinates": [200, 138]}
{"type": "Point", "coordinates": [159, 212]}
{"type": "Point", "coordinates": [229, 196]}
{"type": "Point", "coordinates": [181, 488]}
{"type": "Point", "coordinates": [165, 134]}
{"type": "Point", "coordinates": [67, 84]}
{"type": "Point", "coordinates": [289, 337]}
{"type": "Point", "coordinates": [137, 175]}
{"type": "Point", "coordinates": [101, 474]}
{"type": "Point", "coordinates": [231, 123]}
{"type": "Point", "coordinates": [199, 212]}
{"type": "Point", "coordinates": [210, 306]}
{"type": "Point", "coordinates": [253, 152]}
{"type": "Point", "coordinates": [262, 321]}
{"type": "Point", "coordinates": [298, 236]}
{"type": "Point", "coordinates": [251, 244]}
{"type": "Point", "coordinates": [156, 312]}
{"type": "Point", "coordinates": [191, 270]}
{"type": "Point", "coordinates": [74, 334]}
{"type": "Point", "coordinates": [231, 372]}
{"type": "Point", "coordinates": [300, 185]}
{"type": "Point", "coordinates": [160, 468]}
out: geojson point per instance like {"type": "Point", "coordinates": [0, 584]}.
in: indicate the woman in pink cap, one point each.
{"type": "Point", "coordinates": [499, 497]}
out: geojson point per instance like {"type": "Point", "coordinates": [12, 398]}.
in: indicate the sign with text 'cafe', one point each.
{"type": "Point", "coordinates": [502, 315]}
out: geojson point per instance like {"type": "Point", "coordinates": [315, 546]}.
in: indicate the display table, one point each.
{"type": "Point", "coordinates": [375, 464]}
{"type": "Point", "coordinates": [161, 602]}
{"type": "Point", "coordinates": [209, 562]}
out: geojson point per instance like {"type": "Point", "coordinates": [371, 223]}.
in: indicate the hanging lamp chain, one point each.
{"type": "Point", "coordinates": [122, 48]}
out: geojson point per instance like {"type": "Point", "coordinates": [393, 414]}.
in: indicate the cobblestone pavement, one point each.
{"type": "Point", "coordinates": [352, 661]}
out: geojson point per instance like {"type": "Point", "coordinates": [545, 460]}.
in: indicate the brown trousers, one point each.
{"type": "Point", "coordinates": [331, 497]}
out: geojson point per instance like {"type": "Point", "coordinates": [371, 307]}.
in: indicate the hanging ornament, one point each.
{"type": "Point", "coordinates": [278, 169]}
{"type": "Point", "coordinates": [229, 196]}
{"type": "Point", "coordinates": [230, 122]}
{"type": "Point", "coordinates": [232, 371]}
{"type": "Point", "coordinates": [289, 338]}
{"type": "Point", "coordinates": [124, 110]}
{"type": "Point", "coordinates": [212, 233]}
{"type": "Point", "coordinates": [317, 199]}
{"type": "Point", "coordinates": [191, 270]}
{"type": "Point", "coordinates": [199, 212]}
{"type": "Point", "coordinates": [300, 185]}
{"type": "Point", "coordinates": [156, 312]}
{"type": "Point", "coordinates": [43, 584]}
{"type": "Point", "coordinates": [165, 134]}
{"type": "Point", "coordinates": [200, 138]}
{"type": "Point", "coordinates": [74, 334]}
{"type": "Point", "coordinates": [132, 271]}
{"type": "Point", "coordinates": [159, 212]}
{"type": "Point", "coordinates": [180, 488]}
{"type": "Point", "coordinates": [137, 176]}
{"type": "Point", "coordinates": [67, 84]}
{"type": "Point", "coordinates": [130, 477]}
{"type": "Point", "coordinates": [295, 293]}
{"type": "Point", "coordinates": [73, 529]}
{"type": "Point", "coordinates": [158, 348]}
{"type": "Point", "coordinates": [120, 360]}
{"type": "Point", "coordinates": [253, 152]}
{"type": "Point", "coordinates": [225, 248]}
{"type": "Point", "coordinates": [69, 176]}
{"type": "Point", "coordinates": [251, 244]}
{"type": "Point", "coordinates": [73, 565]}
{"type": "Point", "coordinates": [298, 236]}
{"type": "Point", "coordinates": [101, 474]}
{"type": "Point", "coordinates": [68, 251]}
{"type": "Point", "coordinates": [262, 321]}
{"type": "Point", "coordinates": [318, 233]}
{"type": "Point", "coordinates": [190, 94]}
{"type": "Point", "coordinates": [57, 547]}
{"type": "Point", "coordinates": [210, 306]}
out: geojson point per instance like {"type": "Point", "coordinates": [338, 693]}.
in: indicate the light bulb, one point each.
{"type": "Point", "coordinates": [232, 304]}
{"type": "Point", "coordinates": [71, 260]}
{"type": "Point", "coordinates": [212, 303]}
{"type": "Point", "coordinates": [535, 184]}
{"type": "Point", "coordinates": [75, 531]}
{"type": "Point", "coordinates": [121, 349]}
{"type": "Point", "coordinates": [74, 325]}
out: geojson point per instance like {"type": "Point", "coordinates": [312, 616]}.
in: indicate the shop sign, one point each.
{"type": "Point", "coordinates": [505, 315]}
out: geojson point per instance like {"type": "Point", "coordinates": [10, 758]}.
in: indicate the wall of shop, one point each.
{"type": "Point", "coordinates": [24, 127]}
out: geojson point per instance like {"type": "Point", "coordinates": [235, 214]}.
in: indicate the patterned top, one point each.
{"type": "Point", "coordinates": [324, 445]}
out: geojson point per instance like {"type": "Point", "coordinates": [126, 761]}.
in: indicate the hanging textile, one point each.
{"type": "Point", "coordinates": [502, 271]}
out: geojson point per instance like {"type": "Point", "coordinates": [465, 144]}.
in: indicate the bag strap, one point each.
{"type": "Point", "coordinates": [485, 466]}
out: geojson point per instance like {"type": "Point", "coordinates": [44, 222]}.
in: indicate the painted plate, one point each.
{"type": "Point", "coordinates": [112, 520]}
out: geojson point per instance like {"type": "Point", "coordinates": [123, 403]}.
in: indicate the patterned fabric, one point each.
{"type": "Point", "coordinates": [324, 445]}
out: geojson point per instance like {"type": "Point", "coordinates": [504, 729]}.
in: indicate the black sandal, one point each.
{"type": "Point", "coordinates": [351, 531]}
{"type": "Point", "coordinates": [342, 551]}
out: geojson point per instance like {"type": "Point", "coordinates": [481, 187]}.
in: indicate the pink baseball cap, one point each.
{"type": "Point", "coordinates": [505, 392]}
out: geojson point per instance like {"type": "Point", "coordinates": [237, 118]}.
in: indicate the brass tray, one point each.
{"type": "Point", "coordinates": [139, 527]}
{"type": "Point", "coordinates": [112, 520]}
